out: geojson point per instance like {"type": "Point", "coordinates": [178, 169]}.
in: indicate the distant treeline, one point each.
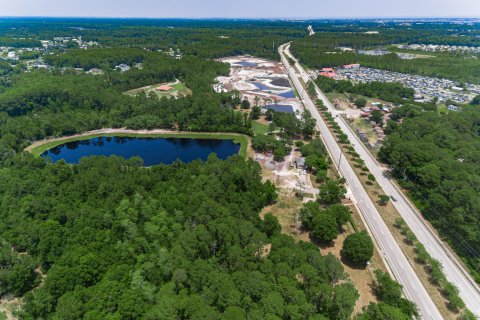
{"type": "Point", "coordinates": [19, 43]}
{"type": "Point", "coordinates": [207, 39]}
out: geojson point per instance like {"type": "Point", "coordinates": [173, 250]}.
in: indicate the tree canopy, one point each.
{"type": "Point", "coordinates": [358, 247]}
{"type": "Point", "coordinates": [437, 158]}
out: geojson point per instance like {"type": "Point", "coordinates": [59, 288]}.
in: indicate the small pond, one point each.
{"type": "Point", "coordinates": [153, 151]}
{"type": "Point", "coordinates": [281, 82]}
{"type": "Point", "coordinates": [263, 87]}
{"type": "Point", "coordinates": [286, 108]}
{"type": "Point", "coordinates": [289, 94]}
{"type": "Point", "coordinates": [247, 64]}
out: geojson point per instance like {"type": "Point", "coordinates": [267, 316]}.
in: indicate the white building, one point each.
{"type": "Point", "coordinates": [123, 67]}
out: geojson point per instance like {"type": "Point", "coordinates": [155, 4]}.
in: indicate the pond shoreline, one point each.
{"type": "Point", "coordinates": [38, 147]}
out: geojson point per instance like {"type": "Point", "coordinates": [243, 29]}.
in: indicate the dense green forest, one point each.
{"type": "Point", "coordinates": [166, 241]}
{"type": "Point", "coordinates": [321, 50]}
{"type": "Point", "coordinates": [100, 58]}
{"type": "Point", "coordinates": [438, 158]}
{"type": "Point", "coordinates": [388, 91]}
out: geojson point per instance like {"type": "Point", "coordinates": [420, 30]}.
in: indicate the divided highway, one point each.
{"type": "Point", "coordinates": [398, 263]}
{"type": "Point", "coordinates": [453, 269]}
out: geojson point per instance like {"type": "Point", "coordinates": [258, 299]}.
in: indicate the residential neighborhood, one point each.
{"type": "Point", "coordinates": [426, 88]}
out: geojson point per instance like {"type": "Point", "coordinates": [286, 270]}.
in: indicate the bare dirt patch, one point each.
{"type": "Point", "coordinates": [176, 90]}
{"type": "Point", "coordinates": [9, 305]}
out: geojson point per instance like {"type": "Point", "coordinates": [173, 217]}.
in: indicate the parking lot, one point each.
{"type": "Point", "coordinates": [426, 88]}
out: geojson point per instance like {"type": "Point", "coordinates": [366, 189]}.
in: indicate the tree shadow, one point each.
{"type": "Point", "coordinates": [322, 244]}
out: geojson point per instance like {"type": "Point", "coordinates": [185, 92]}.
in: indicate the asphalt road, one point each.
{"type": "Point", "coordinates": [453, 269]}
{"type": "Point", "coordinates": [398, 263]}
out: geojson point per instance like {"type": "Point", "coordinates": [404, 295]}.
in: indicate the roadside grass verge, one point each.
{"type": "Point", "coordinates": [38, 148]}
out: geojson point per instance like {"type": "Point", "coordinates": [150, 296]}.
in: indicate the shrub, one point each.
{"type": "Point", "coordinates": [422, 254]}
{"type": "Point", "coordinates": [383, 199]}
{"type": "Point", "coordinates": [360, 102]}
{"type": "Point", "coordinates": [358, 247]}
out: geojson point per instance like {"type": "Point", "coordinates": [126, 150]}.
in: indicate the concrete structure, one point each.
{"type": "Point", "coordinates": [310, 31]}
{"type": "Point", "coordinates": [95, 71]}
{"type": "Point", "coordinates": [123, 67]}
{"type": "Point", "coordinates": [299, 163]}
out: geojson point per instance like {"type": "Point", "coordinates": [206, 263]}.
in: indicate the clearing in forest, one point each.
{"type": "Point", "coordinates": [174, 89]}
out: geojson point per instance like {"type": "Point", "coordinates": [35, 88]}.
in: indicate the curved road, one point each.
{"type": "Point", "coordinates": [453, 269]}
{"type": "Point", "coordinates": [398, 263]}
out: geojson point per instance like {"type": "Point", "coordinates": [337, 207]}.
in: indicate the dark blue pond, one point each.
{"type": "Point", "coordinates": [262, 86]}
{"type": "Point", "coordinates": [153, 151]}
{"type": "Point", "coordinates": [247, 64]}
{"type": "Point", "coordinates": [286, 108]}
{"type": "Point", "coordinates": [288, 94]}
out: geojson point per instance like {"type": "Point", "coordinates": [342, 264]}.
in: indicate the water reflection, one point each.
{"type": "Point", "coordinates": [152, 150]}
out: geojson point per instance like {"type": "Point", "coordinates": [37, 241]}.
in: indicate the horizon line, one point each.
{"type": "Point", "coordinates": [250, 18]}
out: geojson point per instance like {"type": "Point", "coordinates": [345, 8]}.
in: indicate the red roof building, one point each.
{"type": "Point", "coordinates": [328, 72]}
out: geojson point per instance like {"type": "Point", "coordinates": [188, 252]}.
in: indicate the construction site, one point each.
{"type": "Point", "coordinates": [262, 82]}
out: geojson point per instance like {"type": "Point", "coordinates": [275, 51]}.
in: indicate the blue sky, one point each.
{"type": "Point", "coordinates": [242, 8]}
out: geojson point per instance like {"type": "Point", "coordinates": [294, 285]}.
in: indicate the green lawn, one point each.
{"type": "Point", "coordinates": [259, 129]}
{"type": "Point", "coordinates": [442, 108]}
{"type": "Point", "coordinates": [237, 138]}
{"type": "Point", "coordinates": [335, 95]}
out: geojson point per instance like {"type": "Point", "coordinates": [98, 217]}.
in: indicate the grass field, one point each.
{"type": "Point", "coordinates": [178, 90]}
{"type": "Point", "coordinates": [442, 108]}
{"type": "Point", "coordinates": [40, 147]}
{"type": "Point", "coordinates": [259, 129]}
